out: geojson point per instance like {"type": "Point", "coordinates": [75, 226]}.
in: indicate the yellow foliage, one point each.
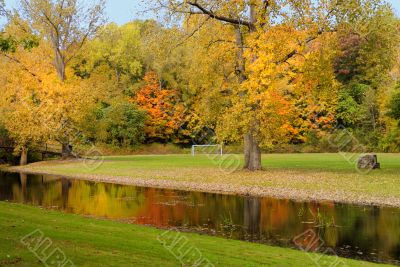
{"type": "Point", "coordinates": [35, 106]}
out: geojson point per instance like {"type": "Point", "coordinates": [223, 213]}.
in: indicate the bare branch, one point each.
{"type": "Point", "coordinates": [192, 33]}
{"type": "Point", "coordinates": [213, 15]}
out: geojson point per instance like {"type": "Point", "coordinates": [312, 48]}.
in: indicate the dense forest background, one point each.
{"type": "Point", "coordinates": [69, 77]}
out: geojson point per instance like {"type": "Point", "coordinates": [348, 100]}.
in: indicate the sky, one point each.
{"type": "Point", "coordinates": [119, 11]}
{"type": "Point", "coordinates": [122, 11]}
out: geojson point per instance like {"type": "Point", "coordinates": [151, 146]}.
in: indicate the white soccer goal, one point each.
{"type": "Point", "coordinates": [207, 149]}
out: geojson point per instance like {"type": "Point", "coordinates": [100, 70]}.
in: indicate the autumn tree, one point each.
{"type": "Point", "coordinates": [23, 97]}
{"type": "Point", "coordinates": [301, 22]}
{"type": "Point", "coordinates": [6, 42]}
{"type": "Point", "coordinates": [203, 82]}
{"type": "Point", "coordinates": [118, 123]}
{"type": "Point", "coordinates": [55, 106]}
{"type": "Point", "coordinates": [394, 105]}
{"type": "Point", "coordinates": [163, 109]}
{"type": "Point", "coordinates": [110, 117]}
{"type": "Point", "coordinates": [33, 105]}
{"type": "Point", "coordinates": [67, 26]}
{"type": "Point", "coordinates": [21, 90]}
{"type": "Point", "coordinates": [367, 55]}
{"type": "Point", "coordinates": [119, 48]}
{"type": "Point", "coordinates": [21, 118]}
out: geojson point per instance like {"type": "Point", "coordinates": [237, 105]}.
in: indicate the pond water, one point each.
{"type": "Point", "coordinates": [360, 232]}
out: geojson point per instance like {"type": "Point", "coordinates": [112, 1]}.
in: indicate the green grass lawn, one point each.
{"type": "Point", "coordinates": [305, 176]}
{"type": "Point", "coordinates": [306, 162]}
{"type": "Point", "coordinates": [90, 242]}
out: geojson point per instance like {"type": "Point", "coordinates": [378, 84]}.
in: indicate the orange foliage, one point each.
{"type": "Point", "coordinates": [165, 113]}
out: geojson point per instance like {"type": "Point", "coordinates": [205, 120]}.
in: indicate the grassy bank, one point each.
{"type": "Point", "coordinates": [90, 242]}
{"type": "Point", "coordinates": [297, 176]}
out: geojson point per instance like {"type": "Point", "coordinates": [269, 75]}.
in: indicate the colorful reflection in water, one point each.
{"type": "Point", "coordinates": [362, 232]}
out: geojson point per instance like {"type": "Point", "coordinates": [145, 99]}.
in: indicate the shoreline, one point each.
{"type": "Point", "coordinates": [224, 188]}
{"type": "Point", "coordinates": [75, 234]}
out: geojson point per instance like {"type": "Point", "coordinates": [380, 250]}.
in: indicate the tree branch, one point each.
{"type": "Point", "coordinates": [218, 17]}
{"type": "Point", "coordinates": [307, 41]}
{"type": "Point", "coordinates": [220, 41]}
{"type": "Point", "coordinates": [22, 66]}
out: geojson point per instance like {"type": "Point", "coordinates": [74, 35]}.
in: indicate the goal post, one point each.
{"type": "Point", "coordinates": [209, 149]}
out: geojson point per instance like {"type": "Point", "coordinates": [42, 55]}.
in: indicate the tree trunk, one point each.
{"type": "Point", "coordinates": [251, 147]}
{"type": "Point", "coordinates": [24, 156]}
{"type": "Point", "coordinates": [66, 151]}
{"type": "Point", "coordinates": [240, 61]}
{"type": "Point", "coordinates": [252, 153]}
{"type": "Point", "coordinates": [59, 61]}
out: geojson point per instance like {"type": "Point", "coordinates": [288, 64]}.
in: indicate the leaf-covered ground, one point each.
{"type": "Point", "coordinates": [296, 176]}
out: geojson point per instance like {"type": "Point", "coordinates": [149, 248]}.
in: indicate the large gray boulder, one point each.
{"type": "Point", "coordinates": [368, 162]}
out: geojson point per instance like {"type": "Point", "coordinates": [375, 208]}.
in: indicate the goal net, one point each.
{"type": "Point", "coordinates": [207, 149]}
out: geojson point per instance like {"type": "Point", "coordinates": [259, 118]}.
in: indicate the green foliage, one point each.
{"type": "Point", "coordinates": [368, 45]}
{"type": "Point", "coordinates": [11, 38]}
{"type": "Point", "coordinates": [358, 91]}
{"type": "Point", "coordinates": [350, 110]}
{"type": "Point", "coordinates": [7, 44]}
{"type": "Point", "coordinates": [30, 42]}
{"type": "Point", "coordinates": [10, 44]}
{"type": "Point", "coordinates": [118, 47]}
{"type": "Point", "coordinates": [394, 105]}
{"type": "Point", "coordinates": [125, 124]}
{"type": "Point", "coordinates": [391, 141]}
{"type": "Point", "coordinates": [120, 124]}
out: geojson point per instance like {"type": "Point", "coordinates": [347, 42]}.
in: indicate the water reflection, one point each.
{"type": "Point", "coordinates": [371, 233]}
